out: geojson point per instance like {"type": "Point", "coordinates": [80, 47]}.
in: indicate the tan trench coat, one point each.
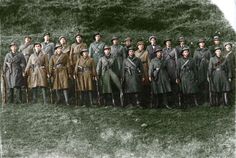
{"type": "Point", "coordinates": [143, 55]}
{"type": "Point", "coordinates": [85, 71]}
{"type": "Point", "coordinates": [37, 70]}
{"type": "Point", "coordinates": [59, 68]}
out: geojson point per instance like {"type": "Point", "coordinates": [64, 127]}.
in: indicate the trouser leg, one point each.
{"type": "Point", "coordinates": [44, 95]}
{"type": "Point", "coordinates": [195, 100]}
{"type": "Point", "coordinates": [137, 99]}
{"type": "Point", "coordinates": [165, 101]}
{"type": "Point", "coordinates": [10, 95]}
{"type": "Point", "coordinates": [18, 95]}
{"type": "Point", "coordinates": [225, 98]}
{"type": "Point", "coordinates": [35, 91]}
{"type": "Point", "coordinates": [65, 92]}
{"type": "Point", "coordinates": [90, 97]}
{"type": "Point", "coordinates": [58, 96]}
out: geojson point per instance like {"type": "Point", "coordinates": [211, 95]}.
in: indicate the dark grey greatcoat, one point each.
{"type": "Point", "coordinates": [132, 73]}
{"type": "Point", "coordinates": [171, 57]}
{"type": "Point", "coordinates": [105, 71]}
{"type": "Point", "coordinates": [13, 66]}
{"type": "Point", "coordinates": [202, 57]}
{"type": "Point", "coordinates": [219, 72]}
{"type": "Point", "coordinates": [160, 78]}
{"type": "Point", "coordinates": [118, 53]}
{"type": "Point", "coordinates": [186, 73]}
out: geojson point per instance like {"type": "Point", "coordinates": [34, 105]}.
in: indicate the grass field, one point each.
{"type": "Point", "coordinates": [60, 131]}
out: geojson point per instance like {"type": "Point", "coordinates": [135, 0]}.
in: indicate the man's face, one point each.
{"type": "Point", "coordinates": [85, 54]}
{"type": "Point", "coordinates": [141, 47]}
{"type": "Point", "coordinates": [186, 54]}
{"type": "Point", "coordinates": [201, 44]}
{"type": "Point", "coordinates": [13, 48]}
{"type": "Point", "coordinates": [131, 53]}
{"type": "Point", "coordinates": [107, 52]}
{"type": "Point", "coordinates": [159, 55]}
{"type": "Point", "coordinates": [153, 41]}
{"type": "Point", "coordinates": [127, 42]}
{"type": "Point", "coordinates": [63, 41]}
{"type": "Point", "coordinates": [27, 40]}
{"type": "Point", "coordinates": [228, 47]}
{"type": "Point", "coordinates": [46, 38]}
{"type": "Point", "coordinates": [168, 43]}
{"type": "Point", "coordinates": [59, 50]}
{"type": "Point", "coordinates": [182, 43]}
{"type": "Point", "coordinates": [37, 48]}
{"type": "Point", "coordinates": [97, 38]}
{"type": "Point", "coordinates": [115, 41]}
{"type": "Point", "coordinates": [216, 42]}
{"type": "Point", "coordinates": [78, 39]}
{"type": "Point", "coordinates": [218, 52]}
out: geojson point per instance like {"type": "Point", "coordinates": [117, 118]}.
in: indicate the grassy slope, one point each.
{"type": "Point", "coordinates": [50, 131]}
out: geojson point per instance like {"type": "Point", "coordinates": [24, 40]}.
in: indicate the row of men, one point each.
{"type": "Point", "coordinates": [117, 70]}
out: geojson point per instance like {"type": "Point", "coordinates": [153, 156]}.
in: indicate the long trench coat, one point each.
{"type": "Point", "coordinates": [59, 68]}
{"type": "Point", "coordinates": [85, 72]}
{"type": "Point", "coordinates": [187, 74]}
{"type": "Point", "coordinates": [219, 72]}
{"type": "Point", "coordinates": [37, 70]}
{"type": "Point", "coordinates": [108, 77]}
{"type": "Point", "coordinates": [171, 57]}
{"type": "Point", "coordinates": [13, 67]}
{"type": "Point", "coordinates": [202, 57]}
{"type": "Point", "coordinates": [132, 75]}
{"type": "Point", "coordinates": [143, 56]}
{"type": "Point", "coordinates": [160, 78]}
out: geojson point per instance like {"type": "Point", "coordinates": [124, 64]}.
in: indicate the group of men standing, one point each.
{"type": "Point", "coordinates": [120, 75]}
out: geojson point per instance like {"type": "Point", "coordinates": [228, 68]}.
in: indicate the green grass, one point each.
{"type": "Point", "coordinates": [59, 131]}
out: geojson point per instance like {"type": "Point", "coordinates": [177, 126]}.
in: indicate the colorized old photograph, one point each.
{"type": "Point", "coordinates": [117, 78]}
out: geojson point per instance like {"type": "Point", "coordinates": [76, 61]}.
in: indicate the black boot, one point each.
{"type": "Point", "coordinates": [113, 99]}
{"type": "Point", "coordinates": [81, 98]}
{"type": "Point", "coordinates": [34, 98]}
{"type": "Point", "coordinates": [90, 98]}
{"type": "Point", "coordinates": [165, 102]}
{"type": "Point", "coordinates": [226, 103]}
{"type": "Point", "coordinates": [156, 101]}
{"type": "Point", "coordinates": [10, 95]}
{"type": "Point", "coordinates": [137, 100]}
{"type": "Point", "coordinates": [217, 99]}
{"type": "Point", "coordinates": [58, 97]}
{"type": "Point", "coordinates": [65, 92]}
{"type": "Point", "coordinates": [179, 100]}
{"type": "Point", "coordinates": [44, 96]}
{"type": "Point", "coordinates": [18, 96]}
{"type": "Point", "coordinates": [121, 99]}
{"type": "Point", "coordinates": [195, 100]}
